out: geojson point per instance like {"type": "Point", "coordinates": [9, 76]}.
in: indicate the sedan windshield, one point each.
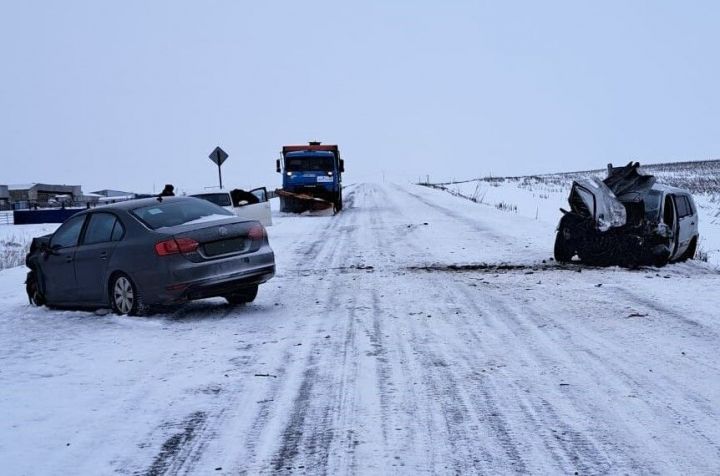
{"type": "Point", "coordinates": [181, 212]}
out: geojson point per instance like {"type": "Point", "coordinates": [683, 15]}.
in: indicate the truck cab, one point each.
{"type": "Point", "coordinates": [315, 170]}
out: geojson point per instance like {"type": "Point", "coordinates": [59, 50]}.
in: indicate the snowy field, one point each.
{"type": "Point", "coordinates": [414, 333]}
{"type": "Point", "coordinates": [540, 196]}
{"type": "Point", "coordinates": [15, 242]}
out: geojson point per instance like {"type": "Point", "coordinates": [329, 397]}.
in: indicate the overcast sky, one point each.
{"type": "Point", "coordinates": [134, 94]}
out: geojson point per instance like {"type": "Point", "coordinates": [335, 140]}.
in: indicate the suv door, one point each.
{"type": "Point", "coordinates": [257, 211]}
{"type": "Point", "coordinates": [102, 233]}
{"type": "Point", "coordinates": [686, 223]}
{"type": "Point", "coordinates": [58, 266]}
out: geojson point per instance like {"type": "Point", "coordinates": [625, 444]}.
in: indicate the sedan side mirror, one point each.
{"type": "Point", "coordinates": [50, 249]}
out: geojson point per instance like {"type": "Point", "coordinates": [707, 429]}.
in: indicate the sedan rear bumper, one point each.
{"type": "Point", "coordinates": [186, 280]}
{"type": "Point", "coordinates": [221, 287]}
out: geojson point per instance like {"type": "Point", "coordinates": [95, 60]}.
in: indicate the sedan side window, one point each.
{"type": "Point", "coordinates": [118, 231]}
{"type": "Point", "coordinates": [68, 233]}
{"type": "Point", "coordinates": [100, 228]}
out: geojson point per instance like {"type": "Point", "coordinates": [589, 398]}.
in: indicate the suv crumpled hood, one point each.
{"type": "Point", "coordinates": [628, 179]}
{"type": "Point", "coordinates": [600, 203]}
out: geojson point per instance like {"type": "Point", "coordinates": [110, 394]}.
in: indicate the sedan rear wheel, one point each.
{"type": "Point", "coordinates": [243, 296]}
{"type": "Point", "coordinates": [124, 298]}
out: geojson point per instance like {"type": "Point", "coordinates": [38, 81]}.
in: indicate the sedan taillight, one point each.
{"type": "Point", "coordinates": [175, 246]}
{"type": "Point", "coordinates": [257, 232]}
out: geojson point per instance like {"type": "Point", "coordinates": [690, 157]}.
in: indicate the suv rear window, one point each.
{"type": "Point", "coordinates": [179, 212]}
{"type": "Point", "coordinates": [222, 199]}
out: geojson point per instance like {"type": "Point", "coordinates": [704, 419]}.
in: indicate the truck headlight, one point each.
{"type": "Point", "coordinates": [289, 174]}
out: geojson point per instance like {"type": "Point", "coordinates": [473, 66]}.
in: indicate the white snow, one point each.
{"type": "Point", "coordinates": [15, 241]}
{"type": "Point", "coordinates": [369, 354]}
{"type": "Point", "coordinates": [541, 197]}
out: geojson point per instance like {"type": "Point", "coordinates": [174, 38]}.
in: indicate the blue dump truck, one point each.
{"type": "Point", "coordinates": [312, 177]}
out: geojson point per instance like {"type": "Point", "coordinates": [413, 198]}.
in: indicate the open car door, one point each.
{"type": "Point", "coordinates": [256, 211]}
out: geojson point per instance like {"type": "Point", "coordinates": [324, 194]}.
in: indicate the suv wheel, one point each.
{"type": "Point", "coordinates": [561, 251]}
{"type": "Point", "coordinates": [690, 252]}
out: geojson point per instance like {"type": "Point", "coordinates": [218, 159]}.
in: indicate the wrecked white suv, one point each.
{"type": "Point", "coordinates": [628, 220]}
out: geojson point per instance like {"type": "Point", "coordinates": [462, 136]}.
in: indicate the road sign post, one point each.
{"type": "Point", "coordinates": [219, 156]}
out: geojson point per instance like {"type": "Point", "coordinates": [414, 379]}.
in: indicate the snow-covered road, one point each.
{"type": "Point", "coordinates": [388, 343]}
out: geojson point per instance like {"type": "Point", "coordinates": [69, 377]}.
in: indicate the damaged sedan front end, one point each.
{"type": "Point", "coordinates": [628, 220]}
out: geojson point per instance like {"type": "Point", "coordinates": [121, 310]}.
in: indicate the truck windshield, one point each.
{"type": "Point", "coordinates": [309, 164]}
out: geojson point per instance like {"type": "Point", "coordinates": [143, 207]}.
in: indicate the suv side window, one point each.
{"type": "Point", "coordinates": [683, 206]}
{"type": "Point", "coordinates": [260, 193]}
{"type": "Point", "coordinates": [689, 205]}
{"type": "Point", "coordinates": [68, 234]}
{"type": "Point", "coordinates": [100, 228]}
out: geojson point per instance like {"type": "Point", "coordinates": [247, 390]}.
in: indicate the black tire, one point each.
{"type": "Point", "coordinates": [561, 251]}
{"type": "Point", "coordinates": [339, 201]}
{"type": "Point", "coordinates": [660, 261]}
{"type": "Point", "coordinates": [243, 295]}
{"type": "Point", "coordinates": [690, 252]}
{"type": "Point", "coordinates": [35, 296]}
{"type": "Point", "coordinates": [124, 296]}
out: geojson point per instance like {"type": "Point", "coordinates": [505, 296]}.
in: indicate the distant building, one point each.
{"type": "Point", "coordinates": [43, 192]}
{"type": "Point", "coordinates": [91, 198]}
{"type": "Point", "coordinates": [113, 193]}
{"type": "Point", "coordinates": [4, 197]}
{"type": "Point", "coordinates": [113, 196]}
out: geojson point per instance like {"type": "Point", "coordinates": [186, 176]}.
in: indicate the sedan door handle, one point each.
{"type": "Point", "coordinates": [68, 259]}
{"type": "Point", "coordinates": [103, 255]}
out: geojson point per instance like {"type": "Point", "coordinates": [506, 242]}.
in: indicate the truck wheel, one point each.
{"type": "Point", "coordinates": [339, 202]}
{"type": "Point", "coordinates": [561, 251]}
{"type": "Point", "coordinates": [243, 295]}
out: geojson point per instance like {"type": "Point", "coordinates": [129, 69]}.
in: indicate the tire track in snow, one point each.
{"type": "Point", "coordinates": [600, 445]}
{"type": "Point", "coordinates": [310, 431]}
{"type": "Point", "coordinates": [574, 448]}
{"type": "Point", "coordinates": [182, 451]}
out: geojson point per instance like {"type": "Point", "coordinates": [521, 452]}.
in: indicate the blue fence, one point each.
{"type": "Point", "coordinates": [28, 217]}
